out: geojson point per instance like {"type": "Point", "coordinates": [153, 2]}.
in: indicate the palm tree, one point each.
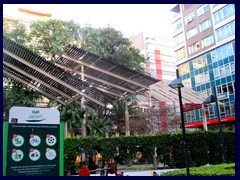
{"type": "Point", "coordinates": [118, 114]}
{"type": "Point", "coordinates": [98, 126]}
{"type": "Point", "coordinates": [72, 116]}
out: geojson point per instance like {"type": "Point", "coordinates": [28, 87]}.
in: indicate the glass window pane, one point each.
{"type": "Point", "coordinates": [211, 112]}
{"type": "Point", "coordinates": [222, 111]}
{"type": "Point", "coordinates": [232, 67]}
{"type": "Point", "coordinates": [227, 109]}
{"type": "Point", "coordinates": [233, 107]}
{"type": "Point", "coordinates": [207, 113]}
{"type": "Point", "coordinates": [222, 72]}
{"type": "Point", "coordinates": [230, 88]}
{"type": "Point", "coordinates": [219, 90]}
{"type": "Point", "coordinates": [224, 88]}
{"type": "Point", "coordinates": [216, 73]}
{"type": "Point", "coordinates": [213, 56]}
{"type": "Point", "coordinates": [227, 70]}
{"type": "Point", "coordinates": [224, 13]}
{"type": "Point", "coordinates": [225, 31]}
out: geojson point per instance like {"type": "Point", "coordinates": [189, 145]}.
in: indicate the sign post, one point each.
{"type": "Point", "coordinates": [34, 142]}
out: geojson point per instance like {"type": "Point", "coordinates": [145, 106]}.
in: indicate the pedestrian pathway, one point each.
{"type": "Point", "coordinates": [140, 173]}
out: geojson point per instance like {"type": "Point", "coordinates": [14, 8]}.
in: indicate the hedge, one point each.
{"type": "Point", "coordinates": [207, 170]}
{"type": "Point", "coordinates": [203, 148]}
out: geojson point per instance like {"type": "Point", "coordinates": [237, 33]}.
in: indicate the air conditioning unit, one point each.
{"type": "Point", "coordinates": [189, 20]}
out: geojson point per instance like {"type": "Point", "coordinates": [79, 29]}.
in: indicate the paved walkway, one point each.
{"type": "Point", "coordinates": [139, 173]}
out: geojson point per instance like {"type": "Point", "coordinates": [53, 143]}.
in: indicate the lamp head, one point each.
{"type": "Point", "coordinates": [210, 99]}
{"type": "Point", "coordinates": [176, 83]}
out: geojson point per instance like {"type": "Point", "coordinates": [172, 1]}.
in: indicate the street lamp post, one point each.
{"type": "Point", "coordinates": [177, 84]}
{"type": "Point", "coordinates": [212, 99]}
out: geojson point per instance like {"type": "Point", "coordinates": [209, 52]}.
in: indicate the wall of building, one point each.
{"type": "Point", "coordinates": [160, 64]}
{"type": "Point", "coordinates": [212, 66]}
{"type": "Point", "coordinates": [24, 15]}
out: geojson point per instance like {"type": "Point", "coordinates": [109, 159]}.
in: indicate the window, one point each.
{"type": "Point", "coordinates": [219, 54]}
{"type": "Point", "coordinates": [209, 112]}
{"type": "Point", "coordinates": [183, 69]}
{"type": "Point", "coordinates": [177, 24]}
{"type": "Point", "coordinates": [187, 117]}
{"type": "Point", "coordinates": [202, 78]}
{"type": "Point", "coordinates": [227, 70]}
{"type": "Point", "coordinates": [225, 31]}
{"type": "Point", "coordinates": [230, 88]}
{"type": "Point", "coordinates": [227, 109]}
{"type": "Point", "coordinates": [209, 92]}
{"type": "Point", "coordinates": [205, 25]}
{"type": "Point", "coordinates": [232, 65]}
{"type": "Point", "coordinates": [189, 18]}
{"type": "Point", "coordinates": [206, 77]}
{"type": "Point", "coordinates": [219, 89]}
{"type": "Point", "coordinates": [214, 5]}
{"type": "Point", "coordinates": [200, 113]}
{"type": "Point", "coordinates": [216, 73]}
{"type": "Point", "coordinates": [224, 88]}
{"type": "Point", "coordinates": [222, 111]}
{"type": "Point", "coordinates": [180, 53]}
{"type": "Point", "coordinates": [207, 41]}
{"type": "Point", "coordinates": [222, 72]}
{"type": "Point", "coordinates": [230, 51]}
{"type": "Point", "coordinates": [213, 56]}
{"type": "Point", "coordinates": [178, 39]}
{"type": "Point", "coordinates": [187, 83]}
{"type": "Point", "coordinates": [197, 80]}
{"type": "Point", "coordinates": [192, 32]}
{"type": "Point", "coordinates": [224, 13]}
{"type": "Point", "coordinates": [232, 105]}
{"type": "Point", "coordinates": [193, 118]}
{"type": "Point", "coordinates": [224, 51]}
{"type": "Point", "coordinates": [152, 71]}
{"type": "Point", "coordinates": [193, 48]}
{"type": "Point", "coordinates": [150, 47]}
{"type": "Point", "coordinates": [152, 66]}
{"type": "Point", "coordinates": [199, 62]}
{"type": "Point", "coordinates": [202, 10]}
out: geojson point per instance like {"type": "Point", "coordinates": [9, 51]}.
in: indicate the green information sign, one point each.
{"type": "Point", "coordinates": [34, 142]}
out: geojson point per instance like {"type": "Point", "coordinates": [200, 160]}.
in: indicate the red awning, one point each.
{"type": "Point", "coordinates": [209, 122]}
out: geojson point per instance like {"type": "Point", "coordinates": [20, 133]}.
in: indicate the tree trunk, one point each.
{"type": "Point", "coordinates": [127, 118]}
{"type": "Point", "coordinates": [83, 128]}
{"type": "Point", "coordinates": [145, 164]}
{"type": "Point", "coordinates": [65, 130]}
{"type": "Point", "coordinates": [155, 158]}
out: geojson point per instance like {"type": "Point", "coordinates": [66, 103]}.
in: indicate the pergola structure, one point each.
{"type": "Point", "coordinates": [103, 82]}
{"type": "Point", "coordinates": [106, 76]}
{"type": "Point", "coordinates": [76, 76]}
{"type": "Point", "coordinates": [81, 77]}
{"type": "Point", "coordinates": [162, 92]}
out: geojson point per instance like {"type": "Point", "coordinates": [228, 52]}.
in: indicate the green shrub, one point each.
{"type": "Point", "coordinates": [207, 170]}
{"type": "Point", "coordinates": [203, 148]}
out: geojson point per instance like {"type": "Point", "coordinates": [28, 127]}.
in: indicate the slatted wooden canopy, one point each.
{"type": "Point", "coordinates": [103, 82]}
{"type": "Point", "coordinates": [162, 92]}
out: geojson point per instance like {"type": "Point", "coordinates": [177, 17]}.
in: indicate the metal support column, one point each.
{"type": "Point", "coordinates": [83, 128]}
